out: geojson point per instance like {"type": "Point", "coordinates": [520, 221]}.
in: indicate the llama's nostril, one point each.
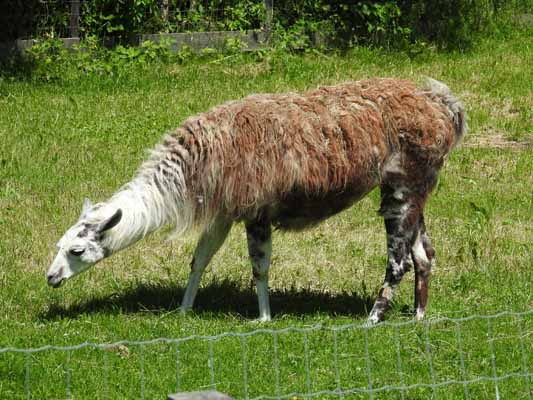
{"type": "Point", "coordinates": [51, 279]}
{"type": "Point", "coordinates": [55, 280]}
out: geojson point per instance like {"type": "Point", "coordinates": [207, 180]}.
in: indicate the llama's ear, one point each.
{"type": "Point", "coordinates": [110, 222]}
{"type": "Point", "coordinates": [87, 205]}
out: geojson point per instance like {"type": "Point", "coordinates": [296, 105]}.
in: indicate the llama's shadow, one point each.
{"type": "Point", "coordinates": [220, 297]}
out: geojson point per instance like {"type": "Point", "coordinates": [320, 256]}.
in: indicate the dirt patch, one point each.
{"type": "Point", "coordinates": [496, 141]}
{"type": "Point", "coordinates": [524, 19]}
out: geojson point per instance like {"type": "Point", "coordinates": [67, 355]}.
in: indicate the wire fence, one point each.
{"type": "Point", "coordinates": [478, 356]}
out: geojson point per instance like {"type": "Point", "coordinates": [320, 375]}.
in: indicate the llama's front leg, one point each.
{"type": "Point", "coordinates": [401, 221]}
{"type": "Point", "coordinates": [423, 257]}
{"type": "Point", "coordinates": [207, 246]}
{"type": "Point", "coordinates": [259, 237]}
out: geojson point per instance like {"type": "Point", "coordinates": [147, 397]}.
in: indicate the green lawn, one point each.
{"type": "Point", "coordinates": [65, 141]}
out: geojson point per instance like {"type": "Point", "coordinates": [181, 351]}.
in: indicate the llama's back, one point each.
{"type": "Point", "coordinates": [290, 152]}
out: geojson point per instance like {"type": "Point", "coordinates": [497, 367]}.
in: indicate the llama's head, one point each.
{"type": "Point", "coordinates": [83, 245]}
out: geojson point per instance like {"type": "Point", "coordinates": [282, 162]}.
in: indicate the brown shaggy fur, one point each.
{"type": "Point", "coordinates": [292, 160]}
{"type": "Point", "coordinates": [301, 158]}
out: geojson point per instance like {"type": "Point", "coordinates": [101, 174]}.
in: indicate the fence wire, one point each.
{"type": "Point", "coordinates": [54, 18]}
{"type": "Point", "coordinates": [478, 356]}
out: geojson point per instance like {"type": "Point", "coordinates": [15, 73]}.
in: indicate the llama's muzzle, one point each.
{"type": "Point", "coordinates": [55, 285]}
{"type": "Point", "coordinates": [55, 280]}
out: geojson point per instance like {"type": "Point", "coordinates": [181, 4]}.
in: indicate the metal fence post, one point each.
{"type": "Point", "coordinates": [269, 12]}
{"type": "Point", "coordinates": [163, 9]}
{"type": "Point", "coordinates": [74, 28]}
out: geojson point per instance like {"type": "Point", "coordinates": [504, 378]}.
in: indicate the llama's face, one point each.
{"type": "Point", "coordinates": [81, 246]}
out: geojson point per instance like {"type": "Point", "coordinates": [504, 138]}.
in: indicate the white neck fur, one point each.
{"type": "Point", "coordinates": [145, 207]}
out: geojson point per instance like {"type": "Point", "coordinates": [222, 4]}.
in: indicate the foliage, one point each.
{"type": "Point", "coordinates": [47, 57]}
{"type": "Point", "coordinates": [125, 18]}
{"type": "Point", "coordinates": [450, 24]}
{"type": "Point", "coordinates": [122, 19]}
{"type": "Point", "coordinates": [458, 24]}
{"type": "Point", "coordinates": [342, 23]}
{"type": "Point", "coordinates": [415, 27]}
{"type": "Point", "coordinates": [47, 60]}
{"type": "Point", "coordinates": [454, 24]}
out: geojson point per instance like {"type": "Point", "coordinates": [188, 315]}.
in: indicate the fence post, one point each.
{"type": "Point", "coordinates": [163, 8]}
{"type": "Point", "coordinates": [74, 27]}
{"type": "Point", "coordinates": [269, 12]}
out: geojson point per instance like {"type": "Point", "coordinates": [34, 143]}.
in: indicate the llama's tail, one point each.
{"type": "Point", "coordinates": [455, 106]}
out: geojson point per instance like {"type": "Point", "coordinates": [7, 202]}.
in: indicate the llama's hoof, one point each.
{"type": "Point", "coordinates": [185, 310]}
{"type": "Point", "coordinates": [371, 321]}
{"type": "Point", "coordinates": [262, 319]}
{"type": "Point", "coordinates": [420, 313]}
{"type": "Point", "coordinates": [374, 318]}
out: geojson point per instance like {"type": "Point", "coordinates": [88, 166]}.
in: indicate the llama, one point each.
{"type": "Point", "coordinates": [286, 161]}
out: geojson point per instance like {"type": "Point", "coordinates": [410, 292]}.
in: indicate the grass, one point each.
{"type": "Point", "coordinates": [65, 141]}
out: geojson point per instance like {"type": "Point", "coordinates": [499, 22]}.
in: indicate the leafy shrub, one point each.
{"type": "Point", "coordinates": [447, 23]}
{"type": "Point", "coordinates": [47, 57]}
{"type": "Point", "coordinates": [411, 25]}
{"type": "Point", "coordinates": [297, 23]}
{"type": "Point", "coordinates": [49, 61]}
{"type": "Point", "coordinates": [457, 24]}
{"type": "Point", "coordinates": [125, 18]}
{"type": "Point", "coordinates": [343, 23]}
{"type": "Point", "coordinates": [118, 19]}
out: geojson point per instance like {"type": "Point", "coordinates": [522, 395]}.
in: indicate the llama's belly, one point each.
{"type": "Point", "coordinates": [297, 212]}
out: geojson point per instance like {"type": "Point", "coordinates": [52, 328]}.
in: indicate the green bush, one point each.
{"type": "Point", "coordinates": [343, 23]}
{"type": "Point", "coordinates": [125, 18]}
{"type": "Point", "coordinates": [448, 24]}
{"type": "Point", "coordinates": [297, 24]}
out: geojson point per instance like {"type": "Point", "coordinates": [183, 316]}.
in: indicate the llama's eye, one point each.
{"type": "Point", "coordinates": [76, 252]}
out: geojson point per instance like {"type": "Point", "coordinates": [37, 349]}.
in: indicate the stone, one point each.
{"type": "Point", "coordinates": [208, 395]}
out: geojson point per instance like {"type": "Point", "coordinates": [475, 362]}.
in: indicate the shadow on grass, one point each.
{"type": "Point", "coordinates": [218, 297]}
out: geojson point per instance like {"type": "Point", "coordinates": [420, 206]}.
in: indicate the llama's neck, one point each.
{"type": "Point", "coordinates": [146, 207]}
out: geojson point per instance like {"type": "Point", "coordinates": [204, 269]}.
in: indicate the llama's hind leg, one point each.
{"type": "Point", "coordinates": [207, 246]}
{"type": "Point", "coordinates": [401, 211]}
{"type": "Point", "coordinates": [423, 256]}
{"type": "Point", "coordinates": [259, 237]}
